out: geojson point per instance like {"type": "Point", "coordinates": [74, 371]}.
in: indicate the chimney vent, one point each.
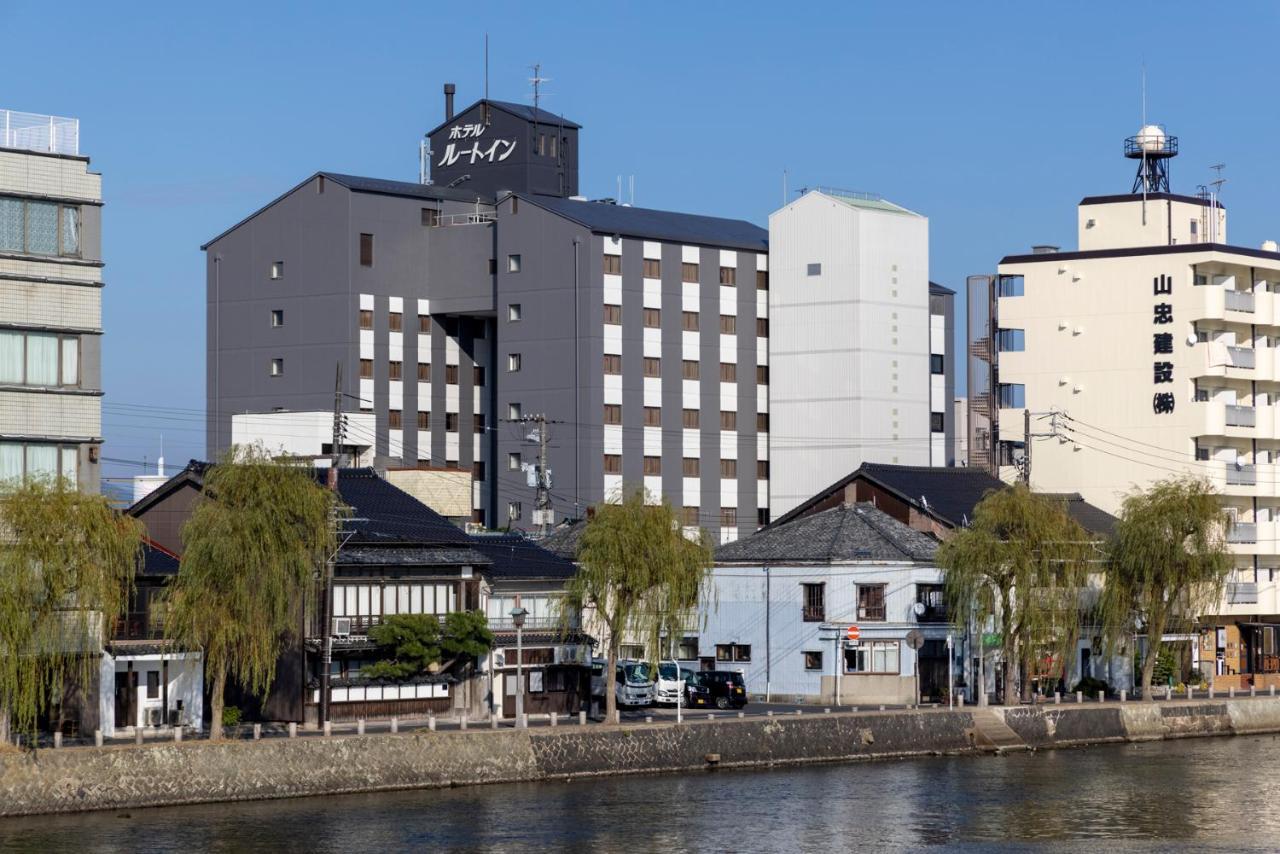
{"type": "Point", "coordinates": [449, 89]}
{"type": "Point", "coordinates": [1043, 249]}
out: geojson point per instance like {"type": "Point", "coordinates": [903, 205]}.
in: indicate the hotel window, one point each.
{"type": "Point", "coordinates": [477, 375]}
{"type": "Point", "coordinates": [1011, 340]}
{"type": "Point", "coordinates": [424, 372]}
{"type": "Point", "coordinates": [652, 367]}
{"type": "Point", "coordinates": [514, 510]}
{"type": "Point", "coordinates": [733, 652]}
{"type": "Point", "coordinates": [728, 324]}
{"type": "Point", "coordinates": [513, 312]}
{"type": "Point", "coordinates": [513, 263]}
{"type": "Point", "coordinates": [689, 515]}
{"type": "Point", "coordinates": [1009, 286]}
{"type": "Point", "coordinates": [366, 250]}
{"type": "Point", "coordinates": [762, 516]}
{"type": "Point", "coordinates": [613, 265]}
{"type": "Point", "coordinates": [812, 660]}
{"type": "Point", "coordinates": [689, 321]}
{"type": "Point", "coordinates": [39, 359]}
{"type": "Point", "coordinates": [762, 280]}
{"type": "Point", "coordinates": [1012, 395]}
{"type": "Point", "coordinates": [814, 599]}
{"type": "Point", "coordinates": [688, 272]}
{"type": "Point", "coordinates": [612, 363]}
{"type": "Point", "coordinates": [813, 269]}
{"type": "Point", "coordinates": [652, 268]}
{"type": "Point", "coordinates": [395, 419]}
{"type": "Point", "coordinates": [612, 413]}
{"type": "Point", "coordinates": [430, 217]}
{"type": "Point", "coordinates": [728, 276]}
{"type": "Point", "coordinates": [277, 317]}
{"type": "Point", "coordinates": [937, 364]}
{"type": "Point", "coordinates": [424, 420]}
{"type": "Point", "coordinates": [762, 422]}
{"type": "Point", "coordinates": [513, 462]}
{"type": "Point", "coordinates": [762, 327]}
{"type": "Point", "coordinates": [513, 362]}
{"type": "Point", "coordinates": [451, 422]}
{"type": "Point", "coordinates": [366, 318]}
{"type": "Point", "coordinates": [872, 657]}
{"type": "Point", "coordinates": [728, 517]}
{"type": "Point", "coordinates": [40, 461]}
{"type": "Point", "coordinates": [728, 372]}
{"type": "Point", "coordinates": [513, 411]}
{"type": "Point", "coordinates": [277, 367]}
{"type": "Point", "coordinates": [277, 269]}
{"type": "Point", "coordinates": [690, 466]}
{"type": "Point", "coordinates": [762, 469]}
{"type": "Point", "coordinates": [653, 465]}
{"type": "Point", "coordinates": [613, 314]}
{"type": "Point", "coordinates": [395, 322]}
{"type": "Point", "coordinates": [728, 420]}
{"type": "Point", "coordinates": [477, 471]}
{"type": "Point", "coordinates": [395, 370]}
{"type": "Point", "coordinates": [691, 419]}
{"type": "Point", "coordinates": [871, 602]}
{"type": "Point", "coordinates": [652, 318]}
{"type": "Point", "coordinates": [936, 422]}
{"type": "Point", "coordinates": [689, 369]}
{"type": "Point", "coordinates": [451, 374]}
{"type": "Point", "coordinates": [424, 324]}
{"type": "Point", "coordinates": [762, 374]}
{"type": "Point", "coordinates": [613, 464]}
{"type": "Point", "coordinates": [366, 369]}
{"type": "Point", "coordinates": [729, 469]}
{"type": "Point", "coordinates": [39, 228]}
{"type": "Point", "coordinates": [652, 416]}
{"type": "Point", "coordinates": [477, 422]}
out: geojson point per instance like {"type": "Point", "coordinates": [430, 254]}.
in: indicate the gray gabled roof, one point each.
{"type": "Point", "coordinates": [565, 540]}
{"type": "Point", "coordinates": [625, 221]}
{"type": "Point", "coordinates": [848, 532]}
{"type": "Point", "coordinates": [520, 111]}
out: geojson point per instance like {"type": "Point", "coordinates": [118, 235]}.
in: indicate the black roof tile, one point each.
{"type": "Point", "coordinates": [515, 557]}
{"type": "Point", "coordinates": [605, 218]}
{"type": "Point", "coordinates": [848, 532]}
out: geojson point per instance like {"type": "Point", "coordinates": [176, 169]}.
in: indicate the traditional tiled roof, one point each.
{"type": "Point", "coordinates": [848, 532]}
{"type": "Point", "coordinates": [514, 557]}
{"type": "Point", "coordinates": [565, 540]}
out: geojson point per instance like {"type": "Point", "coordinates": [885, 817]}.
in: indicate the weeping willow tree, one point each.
{"type": "Point", "coordinates": [252, 550]}
{"type": "Point", "coordinates": [1169, 564]}
{"type": "Point", "coordinates": [1024, 563]}
{"type": "Point", "coordinates": [642, 575]}
{"type": "Point", "coordinates": [67, 566]}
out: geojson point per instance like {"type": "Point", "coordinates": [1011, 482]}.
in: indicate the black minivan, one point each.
{"type": "Point", "coordinates": [724, 689]}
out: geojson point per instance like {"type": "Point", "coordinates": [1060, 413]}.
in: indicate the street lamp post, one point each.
{"type": "Point", "coordinates": [517, 618]}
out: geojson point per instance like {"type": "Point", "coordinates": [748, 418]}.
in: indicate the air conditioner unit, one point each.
{"type": "Point", "coordinates": [155, 717]}
{"type": "Point", "coordinates": [342, 627]}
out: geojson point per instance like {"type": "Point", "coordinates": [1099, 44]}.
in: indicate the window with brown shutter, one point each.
{"type": "Point", "coordinates": [613, 464]}
{"type": "Point", "coordinates": [762, 327]}
{"type": "Point", "coordinates": [814, 597]}
{"type": "Point", "coordinates": [395, 322]}
{"type": "Point", "coordinates": [688, 272]}
{"type": "Point", "coordinates": [613, 314]}
{"type": "Point", "coordinates": [728, 276]}
{"type": "Point", "coordinates": [762, 422]}
{"type": "Point", "coordinates": [451, 422]}
{"type": "Point", "coordinates": [728, 324]}
{"type": "Point", "coordinates": [652, 268]}
{"type": "Point", "coordinates": [689, 321]}
{"type": "Point", "coordinates": [690, 516]}
{"type": "Point", "coordinates": [477, 375]}
{"type": "Point", "coordinates": [612, 413]}
{"type": "Point", "coordinates": [652, 416]}
{"type": "Point", "coordinates": [762, 374]}
{"type": "Point", "coordinates": [395, 370]}
{"type": "Point", "coordinates": [653, 318]}
{"type": "Point", "coordinates": [612, 363]}
{"type": "Point", "coordinates": [762, 280]}
{"type": "Point", "coordinates": [652, 367]}
{"type": "Point", "coordinates": [424, 420]}
{"type": "Point", "coordinates": [728, 420]}
{"type": "Point", "coordinates": [424, 324]}
{"type": "Point", "coordinates": [613, 265]}
{"type": "Point", "coordinates": [871, 602]}
{"type": "Point", "coordinates": [366, 250]}
{"type": "Point", "coordinates": [366, 369]}
{"type": "Point", "coordinates": [451, 374]}
{"type": "Point", "coordinates": [691, 419]}
{"type": "Point", "coordinates": [762, 469]}
{"type": "Point", "coordinates": [728, 372]}
{"type": "Point", "coordinates": [366, 318]}
{"type": "Point", "coordinates": [393, 419]}
{"type": "Point", "coordinates": [424, 372]}
{"type": "Point", "coordinates": [690, 466]}
{"type": "Point", "coordinates": [653, 465]}
{"type": "Point", "coordinates": [689, 370]}
{"type": "Point", "coordinates": [728, 517]}
{"type": "Point", "coordinates": [729, 469]}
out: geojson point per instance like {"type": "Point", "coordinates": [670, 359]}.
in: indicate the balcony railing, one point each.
{"type": "Point", "coordinates": [1242, 593]}
{"type": "Point", "coordinates": [871, 613]}
{"type": "Point", "coordinates": [933, 614]}
{"type": "Point", "coordinates": [477, 218]}
{"type": "Point", "coordinates": [35, 132]}
{"type": "Point", "coordinates": [814, 614]}
{"type": "Point", "coordinates": [1241, 357]}
{"type": "Point", "coordinates": [1241, 475]}
{"type": "Point", "coordinates": [1239, 300]}
{"type": "Point", "coordinates": [531, 624]}
{"type": "Point", "coordinates": [1241, 416]}
{"type": "Point", "coordinates": [137, 625]}
{"type": "Point", "coordinates": [1243, 532]}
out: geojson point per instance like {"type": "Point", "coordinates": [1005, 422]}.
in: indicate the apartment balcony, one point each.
{"type": "Point", "coordinates": [1213, 418]}
{"type": "Point", "coordinates": [1254, 538]}
{"type": "Point", "coordinates": [1230, 361]}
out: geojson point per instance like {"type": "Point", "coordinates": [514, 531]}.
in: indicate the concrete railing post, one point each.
{"type": "Point", "coordinates": [1057, 698]}
{"type": "Point", "coordinates": [524, 721]}
{"type": "Point", "coordinates": [1102, 696]}
{"type": "Point", "coordinates": [1273, 690]}
{"type": "Point", "coordinates": [1210, 692]}
{"type": "Point", "coordinates": [1253, 690]}
{"type": "Point", "coordinates": [57, 739]}
{"type": "Point", "coordinates": [462, 722]}
{"type": "Point", "coordinates": [882, 707]}
{"type": "Point", "coordinates": [769, 713]}
{"type": "Point", "coordinates": [257, 732]}
{"type": "Point", "coordinates": [493, 721]}
{"type": "Point", "coordinates": [711, 716]}
{"type": "Point", "coordinates": [137, 735]}
{"type": "Point", "coordinates": [555, 718]}
{"type": "Point", "coordinates": [97, 738]}
{"type": "Point", "coordinates": [177, 733]}
{"type": "Point", "coordinates": [431, 722]}
{"type": "Point", "coordinates": [582, 718]}
{"type": "Point", "coordinates": [1168, 692]}
{"type": "Point", "coordinates": [744, 714]}
{"type": "Point", "coordinates": [1231, 692]}
{"type": "Point", "coordinates": [360, 726]}
{"type": "Point", "coordinates": [395, 723]}
{"type": "Point", "coordinates": [328, 728]}
{"type": "Point", "coordinates": [1124, 696]}
{"type": "Point", "coordinates": [961, 699]}
{"type": "Point", "coordinates": [826, 711]}
{"type": "Point", "coordinates": [799, 712]}
{"type": "Point", "coordinates": [293, 729]}
{"type": "Point", "coordinates": [1079, 696]}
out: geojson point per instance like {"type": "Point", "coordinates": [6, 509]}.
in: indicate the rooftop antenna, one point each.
{"type": "Point", "coordinates": [486, 66]}
{"type": "Point", "coordinates": [537, 80]}
{"type": "Point", "coordinates": [784, 187]}
{"type": "Point", "coordinates": [1152, 147]}
{"type": "Point", "coordinates": [633, 190]}
{"type": "Point", "coordinates": [1214, 197]}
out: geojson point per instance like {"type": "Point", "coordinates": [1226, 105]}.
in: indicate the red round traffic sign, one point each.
{"type": "Point", "coordinates": [852, 633]}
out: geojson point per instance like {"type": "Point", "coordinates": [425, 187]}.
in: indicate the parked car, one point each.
{"type": "Point", "coordinates": [668, 687]}
{"type": "Point", "coordinates": [634, 682]}
{"type": "Point", "coordinates": [723, 689]}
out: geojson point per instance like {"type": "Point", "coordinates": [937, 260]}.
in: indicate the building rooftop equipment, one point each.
{"type": "Point", "coordinates": [38, 132]}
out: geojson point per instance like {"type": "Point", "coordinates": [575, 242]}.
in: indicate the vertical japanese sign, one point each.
{"type": "Point", "coordinates": [1162, 345]}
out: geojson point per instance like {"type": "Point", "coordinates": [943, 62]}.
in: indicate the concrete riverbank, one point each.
{"type": "Point", "coordinates": [132, 776]}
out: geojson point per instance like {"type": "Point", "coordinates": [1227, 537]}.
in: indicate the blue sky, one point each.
{"type": "Point", "coordinates": [993, 119]}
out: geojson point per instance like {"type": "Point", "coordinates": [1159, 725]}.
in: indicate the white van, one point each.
{"type": "Point", "coordinates": [634, 682]}
{"type": "Point", "coordinates": [671, 680]}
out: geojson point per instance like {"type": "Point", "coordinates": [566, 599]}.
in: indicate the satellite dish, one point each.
{"type": "Point", "coordinates": [1191, 339]}
{"type": "Point", "coordinates": [918, 608]}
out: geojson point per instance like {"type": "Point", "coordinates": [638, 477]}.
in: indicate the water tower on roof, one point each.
{"type": "Point", "coordinates": [1152, 148]}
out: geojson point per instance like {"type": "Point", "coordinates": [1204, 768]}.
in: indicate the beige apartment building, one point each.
{"type": "Point", "coordinates": [1153, 350]}
{"type": "Point", "coordinates": [50, 302]}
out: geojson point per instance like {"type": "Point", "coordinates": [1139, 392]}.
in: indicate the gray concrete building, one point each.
{"type": "Point", "coordinates": [50, 302]}
{"type": "Point", "coordinates": [461, 310]}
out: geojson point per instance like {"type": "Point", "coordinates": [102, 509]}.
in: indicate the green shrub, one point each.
{"type": "Point", "coordinates": [1091, 686]}
{"type": "Point", "coordinates": [230, 716]}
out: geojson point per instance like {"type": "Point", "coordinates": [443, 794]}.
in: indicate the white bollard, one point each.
{"type": "Point", "coordinates": [555, 718]}
{"type": "Point", "coordinates": [882, 707]}
{"type": "Point", "coordinates": [1253, 690]}
{"type": "Point", "coordinates": [769, 713]}
{"type": "Point", "coordinates": [293, 729]}
{"type": "Point", "coordinates": [462, 722]}
{"type": "Point", "coordinates": [328, 728]}
{"type": "Point", "coordinates": [710, 716]}
{"type": "Point", "coordinates": [961, 699]}
{"type": "Point", "coordinates": [431, 722]}
{"type": "Point", "coordinates": [742, 714]}
{"type": "Point", "coordinates": [582, 718]}
{"type": "Point", "coordinates": [395, 723]}
{"type": "Point", "coordinates": [524, 720]}
{"type": "Point", "coordinates": [360, 726]}
{"type": "Point", "coordinates": [826, 711]}
{"type": "Point", "coordinates": [257, 732]}
{"type": "Point", "coordinates": [1210, 692]}
{"type": "Point", "coordinates": [799, 711]}
{"type": "Point", "coordinates": [1124, 696]}
{"type": "Point", "coordinates": [137, 735]}
{"type": "Point", "coordinates": [1057, 698]}
{"type": "Point", "coordinates": [57, 739]}
{"type": "Point", "coordinates": [97, 738]}
{"type": "Point", "coordinates": [177, 733]}
{"type": "Point", "coordinates": [1079, 696]}
{"type": "Point", "coordinates": [1231, 692]}
{"type": "Point", "coordinates": [982, 698]}
{"type": "Point", "coordinates": [1168, 692]}
{"type": "Point", "coordinates": [1102, 696]}
{"type": "Point", "coordinates": [1273, 690]}
{"type": "Point", "coordinates": [493, 721]}
{"type": "Point", "coordinates": [648, 719]}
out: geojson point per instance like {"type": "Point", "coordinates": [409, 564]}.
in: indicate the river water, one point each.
{"type": "Point", "coordinates": [1199, 794]}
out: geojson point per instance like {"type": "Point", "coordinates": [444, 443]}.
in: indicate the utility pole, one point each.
{"type": "Point", "coordinates": [335, 457]}
{"type": "Point", "coordinates": [542, 476]}
{"type": "Point", "coordinates": [1027, 436]}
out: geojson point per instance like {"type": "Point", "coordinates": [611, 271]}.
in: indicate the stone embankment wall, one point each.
{"type": "Point", "coordinates": [194, 772]}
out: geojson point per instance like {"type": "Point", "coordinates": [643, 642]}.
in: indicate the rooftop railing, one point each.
{"type": "Point", "coordinates": [36, 132]}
